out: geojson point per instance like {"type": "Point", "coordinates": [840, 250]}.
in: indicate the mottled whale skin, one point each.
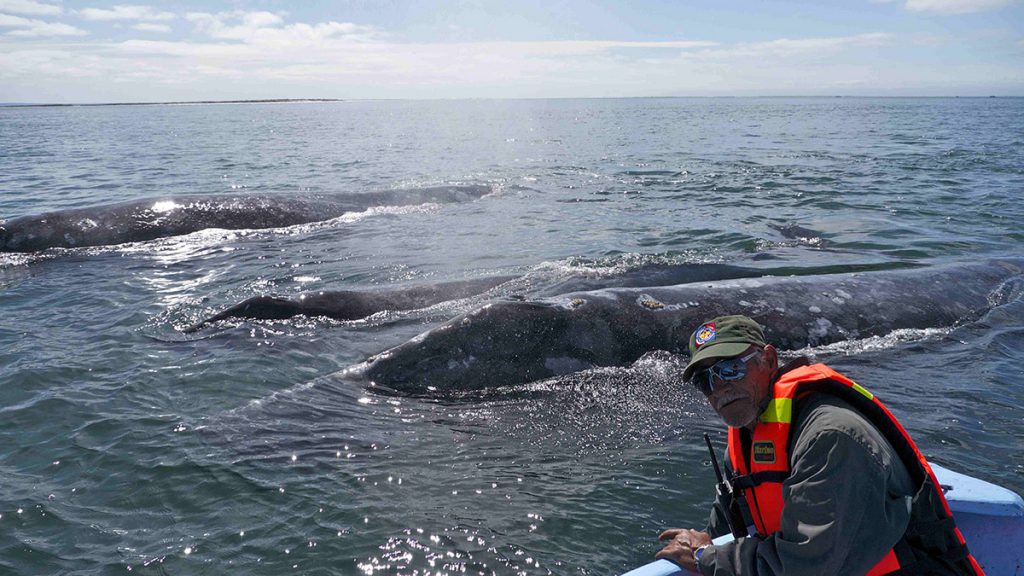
{"type": "Point", "coordinates": [357, 304]}
{"type": "Point", "coordinates": [354, 304]}
{"type": "Point", "coordinates": [143, 220]}
{"type": "Point", "coordinates": [508, 343]}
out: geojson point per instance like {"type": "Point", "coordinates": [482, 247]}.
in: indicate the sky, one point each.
{"type": "Point", "coordinates": [94, 51]}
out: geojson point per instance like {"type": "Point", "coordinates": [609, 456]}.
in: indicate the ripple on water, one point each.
{"type": "Point", "coordinates": [238, 454]}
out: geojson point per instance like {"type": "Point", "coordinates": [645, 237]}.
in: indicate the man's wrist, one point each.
{"type": "Point", "coordinates": [698, 552]}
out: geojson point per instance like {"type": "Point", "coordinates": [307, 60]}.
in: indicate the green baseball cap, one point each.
{"type": "Point", "coordinates": [722, 337]}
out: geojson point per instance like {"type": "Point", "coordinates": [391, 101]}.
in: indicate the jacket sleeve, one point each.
{"type": "Point", "coordinates": [846, 503]}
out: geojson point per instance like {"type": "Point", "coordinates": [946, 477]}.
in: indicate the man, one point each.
{"type": "Point", "coordinates": [832, 484]}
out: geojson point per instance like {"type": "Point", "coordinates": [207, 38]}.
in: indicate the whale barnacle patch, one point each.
{"type": "Point", "coordinates": [704, 334]}
{"type": "Point", "coordinates": [764, 452]}
{"type": "Point", "coordinates": [650, 303]}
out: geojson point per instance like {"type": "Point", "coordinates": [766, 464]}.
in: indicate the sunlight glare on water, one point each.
{"type": "Point", "coordinates": [127, 444]}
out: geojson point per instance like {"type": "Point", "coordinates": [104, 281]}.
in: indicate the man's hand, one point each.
{"type": "Point", "coordinates": [681, 546]}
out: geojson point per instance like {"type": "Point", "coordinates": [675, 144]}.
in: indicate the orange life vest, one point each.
{"type": "Point", "coordinates": [932, 543]}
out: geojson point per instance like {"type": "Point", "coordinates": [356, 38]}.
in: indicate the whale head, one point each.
{"type": "Point", "coordinates": [5, 235]}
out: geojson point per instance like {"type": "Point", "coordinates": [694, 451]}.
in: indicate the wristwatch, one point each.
{"type": "Point", "coordinates": [698, 552]}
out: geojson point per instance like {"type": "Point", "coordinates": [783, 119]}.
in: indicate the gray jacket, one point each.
{"type": "Point", "coordinates": [847, 502]}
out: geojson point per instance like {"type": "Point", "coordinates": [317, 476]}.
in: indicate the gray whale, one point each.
{"type": "Point", "coordinates": [354, 304]}
{"type": "Point", "coordinates": [357, 304]}
{"type": "Point", "coordinates": [514, 342]}
{"type": "Point", "coordinates": [153, 218]}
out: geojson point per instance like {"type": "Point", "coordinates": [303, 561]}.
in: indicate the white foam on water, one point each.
{"type": "Point", "coordinates": [872, 343]}
{"type": "Point", "coordinates": [14, 259]}
{"type": "Point", "coordinates": [621, 264]}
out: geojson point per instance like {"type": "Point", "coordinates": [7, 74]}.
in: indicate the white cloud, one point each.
{"type": "Point", "coordinates": [147, 27]}
{"type": "Point", "coordinates": [245, 54]}
{"type": "Point", "coordinates": [30, 7]}
{"type": "Point", "coordinates": [125, 12]}
{"type": "Point", "coordinates": [267, 28]}
{"type": "Point", "coordinates": [333, 56]}
{"type": "Point", "coordinates": [8, 21]}
{"type": "Point", "coordinates": [31, 28]}
{"type": "Point", "coordinates": [789, 48]}
{"type": "Point", "coordinates": [195, 50]}
{"type": "Point", "coordinates": [955, 6]}
{"type": "Point", "coordinates": [248, 23]}
{"type": "Point", "coordinates": [45, 29]}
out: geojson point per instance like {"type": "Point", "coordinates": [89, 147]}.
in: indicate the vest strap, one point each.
{"type": "Point", "coordinates": [757, 478]}
{"type": "Point", "coordinates": [906, 558]}
{"type": "Point", "coordinates": [958, 552]}
{"type": "Point", "coordinates": [939, 526]}
{"type": "Point", "coordinates": [909, 567]}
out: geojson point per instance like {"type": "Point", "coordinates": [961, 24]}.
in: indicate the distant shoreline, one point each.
{"type": "Point", "coordinates": [662, 97]}
{"type": "Point", "coordinates": [263, 101]}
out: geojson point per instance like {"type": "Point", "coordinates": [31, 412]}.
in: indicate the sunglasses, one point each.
{"type": "Point", "coordinates": [728, 370]}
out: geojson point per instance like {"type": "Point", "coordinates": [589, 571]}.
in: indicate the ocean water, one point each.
{"type": "Point", "coordinates": [128, 445]}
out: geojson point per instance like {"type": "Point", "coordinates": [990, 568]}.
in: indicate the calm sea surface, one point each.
{"type": "Point", "coordinates": [128, 445]}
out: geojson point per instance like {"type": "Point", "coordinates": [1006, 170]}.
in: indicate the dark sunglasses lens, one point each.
{"type": "Point", "coordinates": [701, 380]}
{"type": "Point", "coordinates": [732, 369]}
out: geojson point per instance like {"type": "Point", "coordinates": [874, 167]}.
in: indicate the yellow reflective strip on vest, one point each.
{"type": "Point", "coordinates": [778, 410]}
{"type": "Point", "coordinates": [858, 388]}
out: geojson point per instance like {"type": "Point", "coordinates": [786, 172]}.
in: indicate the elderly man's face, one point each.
{"type": "Point", "coordinates": [739, 402]}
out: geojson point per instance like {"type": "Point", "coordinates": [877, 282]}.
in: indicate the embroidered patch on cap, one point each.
{"type": "Point", "coordinates": [704, 334]}
{"type": "Point", "coordinates": [764, 452]}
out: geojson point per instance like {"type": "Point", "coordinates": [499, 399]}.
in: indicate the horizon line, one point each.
{"type": "Point", "coordinates": [314, 100]}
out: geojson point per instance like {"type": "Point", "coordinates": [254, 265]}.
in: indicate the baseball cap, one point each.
{"type": "Point", "coordinates": [722, 337]}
